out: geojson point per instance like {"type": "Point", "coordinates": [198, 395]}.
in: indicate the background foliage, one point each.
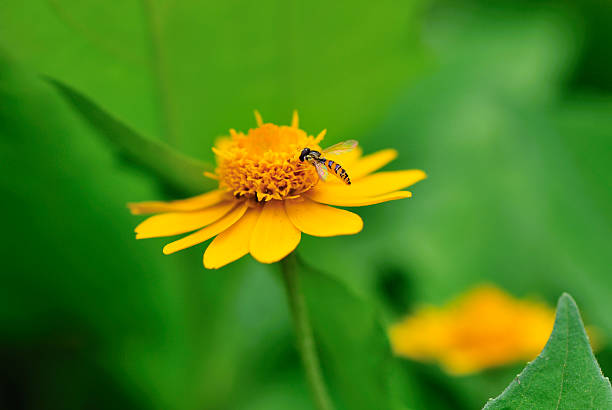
{"type": "Point", "coordinates": [506, 105]}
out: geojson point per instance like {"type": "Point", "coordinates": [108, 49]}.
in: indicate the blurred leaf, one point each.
{"type": "Point", "coordinates": [565, 375]}
{"type": "Point", "coordinates": [188, 70]}
{"type": "Point", "coordinates": [355, 350]}
{"type": "Point", "coordinates": [172, 167]}
{"type": "Point", "coordinates": [80, 295]}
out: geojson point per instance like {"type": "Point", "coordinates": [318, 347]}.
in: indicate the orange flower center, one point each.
{"type": "Point", "coordinates": [264, 164]}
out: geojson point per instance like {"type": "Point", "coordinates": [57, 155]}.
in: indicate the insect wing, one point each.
{"type": "Point", "coordinates": [321, 170]}
{"type": "Point", "coordinates": [341, 147]}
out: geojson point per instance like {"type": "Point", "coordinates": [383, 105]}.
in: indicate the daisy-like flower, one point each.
{"type": "Point", "coordinates": [483, 328]}
{"type": "Point", "coordinates": [268, 196]}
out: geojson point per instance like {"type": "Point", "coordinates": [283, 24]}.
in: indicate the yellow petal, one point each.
{"type": "Point", "coordinates": [233, 243]}
{"type": "Point", "coordinates": [258, 118]}
{"type": "Point", "coordinates": [274, 236]}
{"type": "Point", "coordinates": [295, 120]}
{"type": "Point", "coordinates": [211, 175]}
{"type": "Point", "coordinates": [370, 163]}
{"type": "Point", "coordinates": [208, 232]}
{"type": "Point", "coordinates": [321, 220]}
{"type": "Point", "coordinates": [320, 137]}
{"type": "Point", "coordinates": [325, 198]}
{"type": "Point", "coordinates": [371, 185]}
{"type": "Point", "coordinates": [184, 205]}
{"type": "Point", "coordinates": [175, 223]}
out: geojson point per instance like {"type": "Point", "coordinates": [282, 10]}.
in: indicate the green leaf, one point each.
{"type": "Point", "coordinates": [355, 351]}
{"type": "Point", "coordinates": [565, 375]}
{"type": "Point", "coordinates": [174, 168]}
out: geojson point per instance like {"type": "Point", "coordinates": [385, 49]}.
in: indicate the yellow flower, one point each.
{"type": "Point", "coordinates": [483, 328]}
{"type": "Point", "coordinates": [267, 197]}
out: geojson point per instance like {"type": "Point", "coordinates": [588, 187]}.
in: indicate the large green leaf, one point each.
{"type": "Point", "coordinates": [355, 350]}
{"type": "Point", "coordinates": [170, 166]}
{"type": "Point", "coordinates": [564, 376]}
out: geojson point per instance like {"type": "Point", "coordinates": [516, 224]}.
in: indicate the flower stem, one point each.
{"type": "Point", "coordinates": [303, 332]}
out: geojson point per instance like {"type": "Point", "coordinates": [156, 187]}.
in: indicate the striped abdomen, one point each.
{"type": "Point", "coordinates": [337, 169]}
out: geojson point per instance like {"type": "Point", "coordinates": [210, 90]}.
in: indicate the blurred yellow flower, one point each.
{"type": "Point", "coordinates": [267, 197]}
{"type": "Point", "coordinates": [483, 328]}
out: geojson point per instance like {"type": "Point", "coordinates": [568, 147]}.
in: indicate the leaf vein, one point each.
{"type": "Point", "coordinates": [565, 359]}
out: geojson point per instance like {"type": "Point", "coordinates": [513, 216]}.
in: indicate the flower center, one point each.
{"type": "Point", "coordinates": [264, 164]}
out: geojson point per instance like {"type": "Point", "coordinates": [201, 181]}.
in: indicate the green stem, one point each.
{"type": "Point", "coordinates": [303, 332]}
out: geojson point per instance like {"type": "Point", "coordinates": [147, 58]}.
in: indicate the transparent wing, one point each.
{"type": "Point", "coordinates": [341, 147]}
{"type": "Point", "coordinates": [321, 170]}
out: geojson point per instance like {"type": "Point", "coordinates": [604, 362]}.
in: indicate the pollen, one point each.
{"type": "Point", "coordinates": [264, 163]}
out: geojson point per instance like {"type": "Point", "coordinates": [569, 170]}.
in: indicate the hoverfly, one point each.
{"type": "Point", "coordinates": [322, 164]}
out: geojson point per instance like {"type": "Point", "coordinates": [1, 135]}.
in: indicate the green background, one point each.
{"type": "Point", "coordinates": [506, 105]}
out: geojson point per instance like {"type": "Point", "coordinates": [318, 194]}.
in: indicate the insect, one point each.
{"type": "Point", "coordinates": [322, 164]}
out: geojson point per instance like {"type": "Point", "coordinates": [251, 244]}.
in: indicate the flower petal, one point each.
{"type": "Point", "coordinates": [190, 204]}
{"type": "Point", "coordinates": [233, 243]}
{"type": "Point", "coordinates": [321, 220]}
{"type": "Point", "coordinates": [370, 163]}
{"type": "Point", "coordinates": [174, 223]}
{"type": "Point", "coordinates": [328, 199]}
{"type": "Point", "coordinates": [208, 232]}
{"type": "Point", "coordinates": [274, 236]}
{"type": "Point", "coordinates": [371, 185]}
